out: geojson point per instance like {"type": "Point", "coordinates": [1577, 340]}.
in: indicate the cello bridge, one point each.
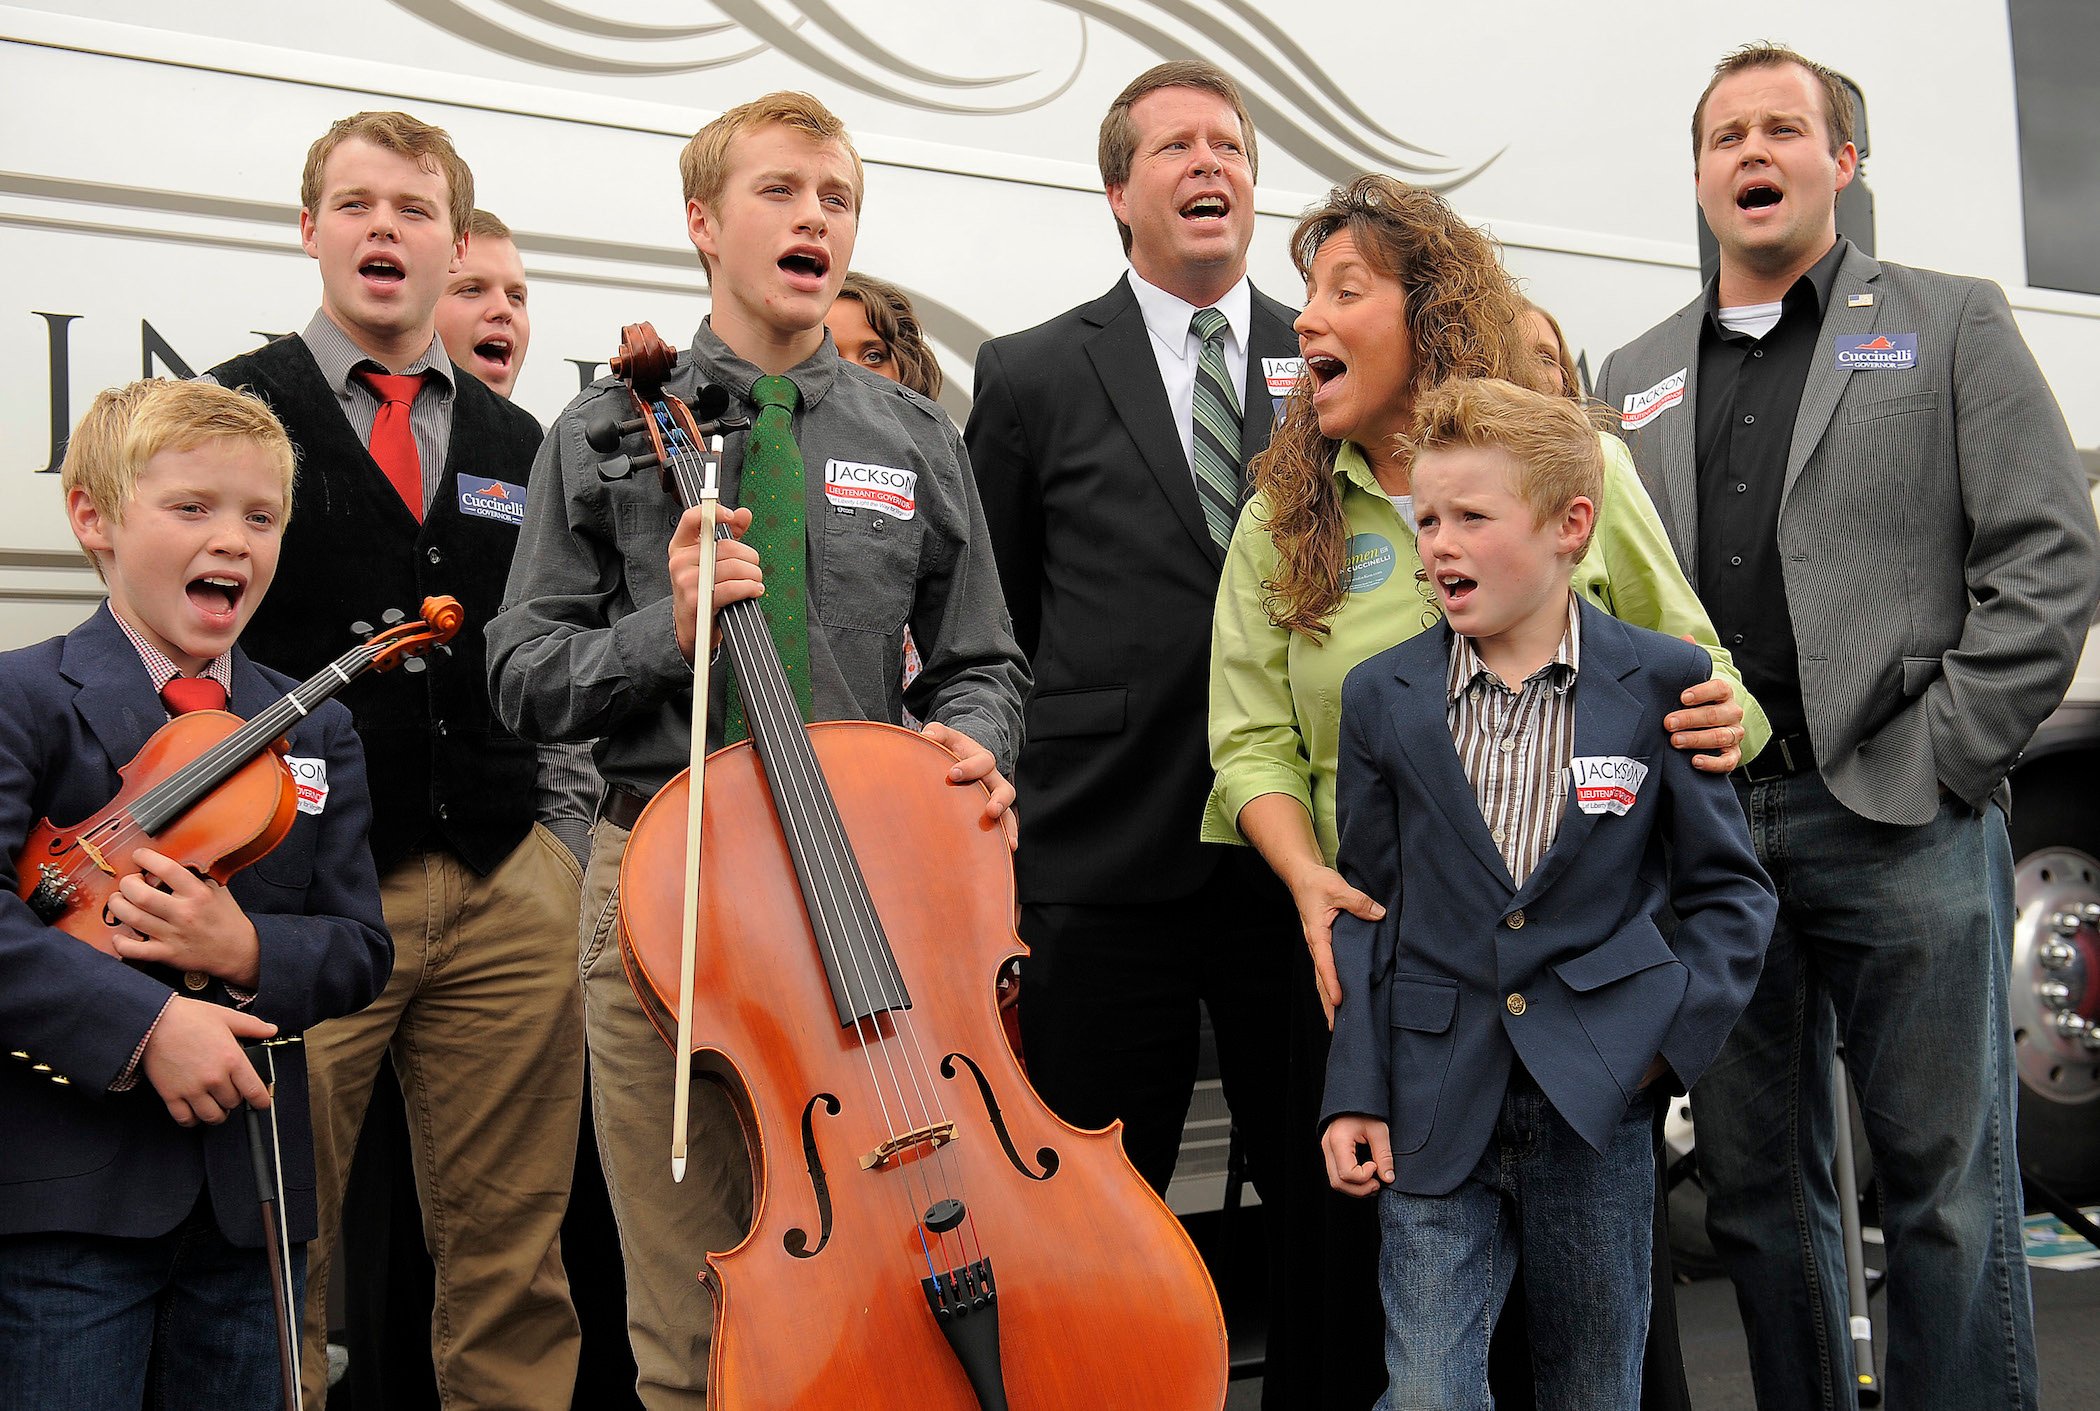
{"type": "Point", "coordinates": [939, 1134]}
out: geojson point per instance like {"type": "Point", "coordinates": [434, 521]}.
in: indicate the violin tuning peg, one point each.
{"type": "Point", "coordinates": [361, 629]}
{"type": "Point", "coordinates": [445, 647]}
{"type": "Point", "coordinates": [393, 617]}
{"type": "Point", "coordinates": [413, 665]}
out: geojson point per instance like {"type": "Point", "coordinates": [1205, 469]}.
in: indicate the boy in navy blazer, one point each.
{"type": "Point", "coordinates": [1505, 788]}
{"type": "Point", "coordinates": [130, 1233]}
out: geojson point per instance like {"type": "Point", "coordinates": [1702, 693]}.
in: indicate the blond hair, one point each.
{"type": "Point", "coordinates": [1554, 447]}
{"type": "Point", "coordinates": [128, 426]}
{"type": "Point", "coordinates": [428, 147]}
{"type": "Point", "coordinates": [1837, 97]}
{"type": "Point", "coordinates": [892, 319]}
{"type": "Point", "coordinates": [703, 167]}
{"type": "Point", "coordinates": [1461, 320]}
{"type": "Point", "coordinates": [1117, 146]}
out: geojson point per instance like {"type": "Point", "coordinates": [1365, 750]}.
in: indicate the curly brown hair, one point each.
{"type": "Point", "coordinates": [1463, 320]}
{"type": "Point", "coordinates": [896, 323]}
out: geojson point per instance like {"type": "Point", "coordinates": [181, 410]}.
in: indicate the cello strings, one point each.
{"type": "Point", "coordinates": [765, 698]}
{"type": "Point", "coordinates": [864, 934]}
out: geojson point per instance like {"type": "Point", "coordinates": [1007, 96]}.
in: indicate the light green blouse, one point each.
{"type": "Point", "coordinates": [1275, 695]}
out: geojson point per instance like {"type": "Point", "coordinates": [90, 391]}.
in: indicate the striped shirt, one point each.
{"type": "Point", "coordinates": [1516, 746]}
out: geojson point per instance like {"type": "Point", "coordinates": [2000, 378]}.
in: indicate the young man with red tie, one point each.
{"type": "Point", "coordinates": [412, 483]}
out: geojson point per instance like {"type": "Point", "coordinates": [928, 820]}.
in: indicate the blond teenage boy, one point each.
{"type": "Point", "coordinates": [130, 1236]}
{"type": "Point", "coordinates": [413, 483]}
{"type": "Point", "coordinates": [1507, 791]}
{"type": "Point", "coordinates": [599, 633]}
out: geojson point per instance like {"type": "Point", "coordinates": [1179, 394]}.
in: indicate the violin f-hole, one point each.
{"type": "Point", "coordinates": [1046, 1156]}
{"type": "Point", "coordinates": [796, 1240]}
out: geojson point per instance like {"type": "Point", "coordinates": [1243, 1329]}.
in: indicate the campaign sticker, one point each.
{"type": "Point", "coordinates": [858, 485]}
{"type": "Point", "coordinates": [1282, 374]}
{"type": "Point", "coordinates": [492, 499]}
{"type": "Point", "coordinates": [1877, 352]}
{"type": "Point", "coordinates": [1606, 783]}
{"type": "Point", "coordinates": [310, 778]}
{"type": "Point", "coordinates": [1367, 562]}
{"type": "Point", "coordinates": [1644, 407]}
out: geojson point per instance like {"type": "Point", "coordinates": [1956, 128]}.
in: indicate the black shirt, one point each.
{"type": "Point", "coordinates": [1748, 393]}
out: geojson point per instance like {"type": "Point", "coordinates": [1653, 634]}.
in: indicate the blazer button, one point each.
{"type": "Point", "coordinates": [195, 979]}
{"type": "Point", "coordinates": [1515, 1003]}
{"type": "Point", "coordinates": [1515, 921]}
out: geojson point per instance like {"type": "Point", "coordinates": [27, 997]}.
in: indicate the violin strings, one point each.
{"type": "Point", "coordinates": [835, 882]}
{"type": "Point", "coordinates": [209, 769]}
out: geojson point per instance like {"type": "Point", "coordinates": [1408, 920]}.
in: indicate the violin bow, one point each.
{"type": "Point", "coordinates": [277, 1235]}
{"type": "Point", "coordinates": [710, 503]}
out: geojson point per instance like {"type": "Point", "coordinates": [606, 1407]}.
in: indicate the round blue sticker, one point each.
{"type": "Point", "coordinates": [1367, 562]}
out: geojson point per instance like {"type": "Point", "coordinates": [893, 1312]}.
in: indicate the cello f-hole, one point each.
{"type": "Point", "coordinates": [796, 1240]}
{"type": "Point", "coordinates": [1046, 1156]}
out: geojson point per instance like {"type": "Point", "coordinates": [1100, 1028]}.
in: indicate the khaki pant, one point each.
{"type": "Point", "coordinates": [666, 1228]}
{"type": "Point", "coordinates": [484, 1024]}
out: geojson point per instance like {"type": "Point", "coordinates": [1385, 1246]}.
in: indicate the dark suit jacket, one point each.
{"type": "Point", "coordinates": [1111, 576]}
{"type": "Point", "coordinates": [1569, 971]}
{"type": "Point", "coordinates": [1939, 551]}
{"type": "Point", "coordinates": [75, 1157]}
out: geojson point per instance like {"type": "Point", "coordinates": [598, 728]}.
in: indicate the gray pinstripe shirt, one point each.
{"type": "Point", "coordinates": [430, 418]}
{"type": "Point", "coordinates": [1515, 746]}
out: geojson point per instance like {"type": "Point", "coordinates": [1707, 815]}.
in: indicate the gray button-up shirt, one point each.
{"type": "Point", "coordinates": [585, 646]}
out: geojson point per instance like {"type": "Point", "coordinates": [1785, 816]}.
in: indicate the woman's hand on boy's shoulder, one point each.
{"type": "Point", "coordinates": [1711, 723]}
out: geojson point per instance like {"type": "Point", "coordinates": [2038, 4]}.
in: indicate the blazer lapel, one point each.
{"type": "Point", "coordinates": [1826, 380]}
{"type": "Point", "coordinates": [1608, 721]}
{"type": "Point", "coordinates": [115, 697]}
{"type": "Point", "coordinates": [1122, 358]}
{"type": "Point", "coordinates": [1270, 336]}
{"type": "Point", "coordinates": [1424, 732]}
{"type": "Point", "coordinates": [1677, 444]}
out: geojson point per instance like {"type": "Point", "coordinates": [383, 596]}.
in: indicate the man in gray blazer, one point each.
{"type": "Point", "coordinates": [1867, 479]}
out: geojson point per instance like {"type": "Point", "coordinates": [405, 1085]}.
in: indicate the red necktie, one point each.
{"type": "Point", "coordinates": [184, 694]}
{"type": "Point", "coordinates": [393, 440]}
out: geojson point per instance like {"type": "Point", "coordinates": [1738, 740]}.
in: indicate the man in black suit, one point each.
{"type": "Point", "coordinates": [1110, 446]}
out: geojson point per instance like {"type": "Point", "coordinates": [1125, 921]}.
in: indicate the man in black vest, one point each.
{"type": "Point", "coordinates": [412, 483]}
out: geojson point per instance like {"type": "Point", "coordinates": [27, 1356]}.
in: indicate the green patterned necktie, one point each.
{"type": "Point", "coordinates": [1215, 445]}
{"type": "Point", "coordinates": [771, 488]}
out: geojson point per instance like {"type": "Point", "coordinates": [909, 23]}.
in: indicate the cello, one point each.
{"type": "Point", "coordinates": [926, 1233]}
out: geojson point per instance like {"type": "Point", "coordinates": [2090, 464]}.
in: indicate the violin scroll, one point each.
{"type": "Point", "coordinates": [440, 623]}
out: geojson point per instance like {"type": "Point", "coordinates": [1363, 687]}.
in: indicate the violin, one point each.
{"type": "Point", "coordinates": [926, 1234]}
{"type": "Point", "coordinates": [208, 789]}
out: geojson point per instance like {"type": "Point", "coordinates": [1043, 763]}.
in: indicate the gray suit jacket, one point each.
{"type": "Point", "coordinates": [1940, 555]}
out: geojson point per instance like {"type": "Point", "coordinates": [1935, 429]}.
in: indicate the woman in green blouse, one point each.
{"type": "Point", "coordinates": [1400, 295]}
{"type": "Point", "coordinates": [1321, 572]}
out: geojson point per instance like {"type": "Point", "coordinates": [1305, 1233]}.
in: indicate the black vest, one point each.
{"type": "Point", "coordinates": [443, 772]}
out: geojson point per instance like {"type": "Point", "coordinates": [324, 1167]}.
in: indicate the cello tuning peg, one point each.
{"type": "Point", "coordinates": [361, 629]}
{"type": "Point", "coordinates": [393, 617]}
{"type": "Point", "coordinates": [412, 665]}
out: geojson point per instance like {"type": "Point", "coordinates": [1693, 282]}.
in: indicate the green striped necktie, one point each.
{"type": "Point", "coordinates": [1215, 447]}
{"type": "Point", "coordinates": [771, 488]}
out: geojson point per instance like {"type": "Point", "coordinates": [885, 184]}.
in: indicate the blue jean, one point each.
{"type": "Point", "coordinates": [1579, 1226]}
{"type": "Point", "coordinates": [92, 1322]}
{"type": "Point", "coordinates": [1899, 939]}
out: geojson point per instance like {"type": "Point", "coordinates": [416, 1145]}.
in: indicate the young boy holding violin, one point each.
{"type": "Point", "coordinates": [132, 1270]}
{"type": "Point", "coordinates": [602, 620]}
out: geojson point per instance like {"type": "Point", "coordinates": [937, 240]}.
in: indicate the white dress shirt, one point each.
{"type": "Point", "coordinates": [1177, 349]}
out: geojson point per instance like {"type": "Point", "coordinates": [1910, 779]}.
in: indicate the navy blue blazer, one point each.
{"type": "Point", "coordinates": [75, 1157]}
{"type": "Point", "coordinates": [1570, 970]}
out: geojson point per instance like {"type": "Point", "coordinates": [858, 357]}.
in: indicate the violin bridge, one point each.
{"type": "Point", "coordinates": [95, 855]}
{"type": "Point", "coordinates": [939, 1134]}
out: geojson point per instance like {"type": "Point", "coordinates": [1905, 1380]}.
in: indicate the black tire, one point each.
{"type": "Point", "coordinates": [2056, 805]}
